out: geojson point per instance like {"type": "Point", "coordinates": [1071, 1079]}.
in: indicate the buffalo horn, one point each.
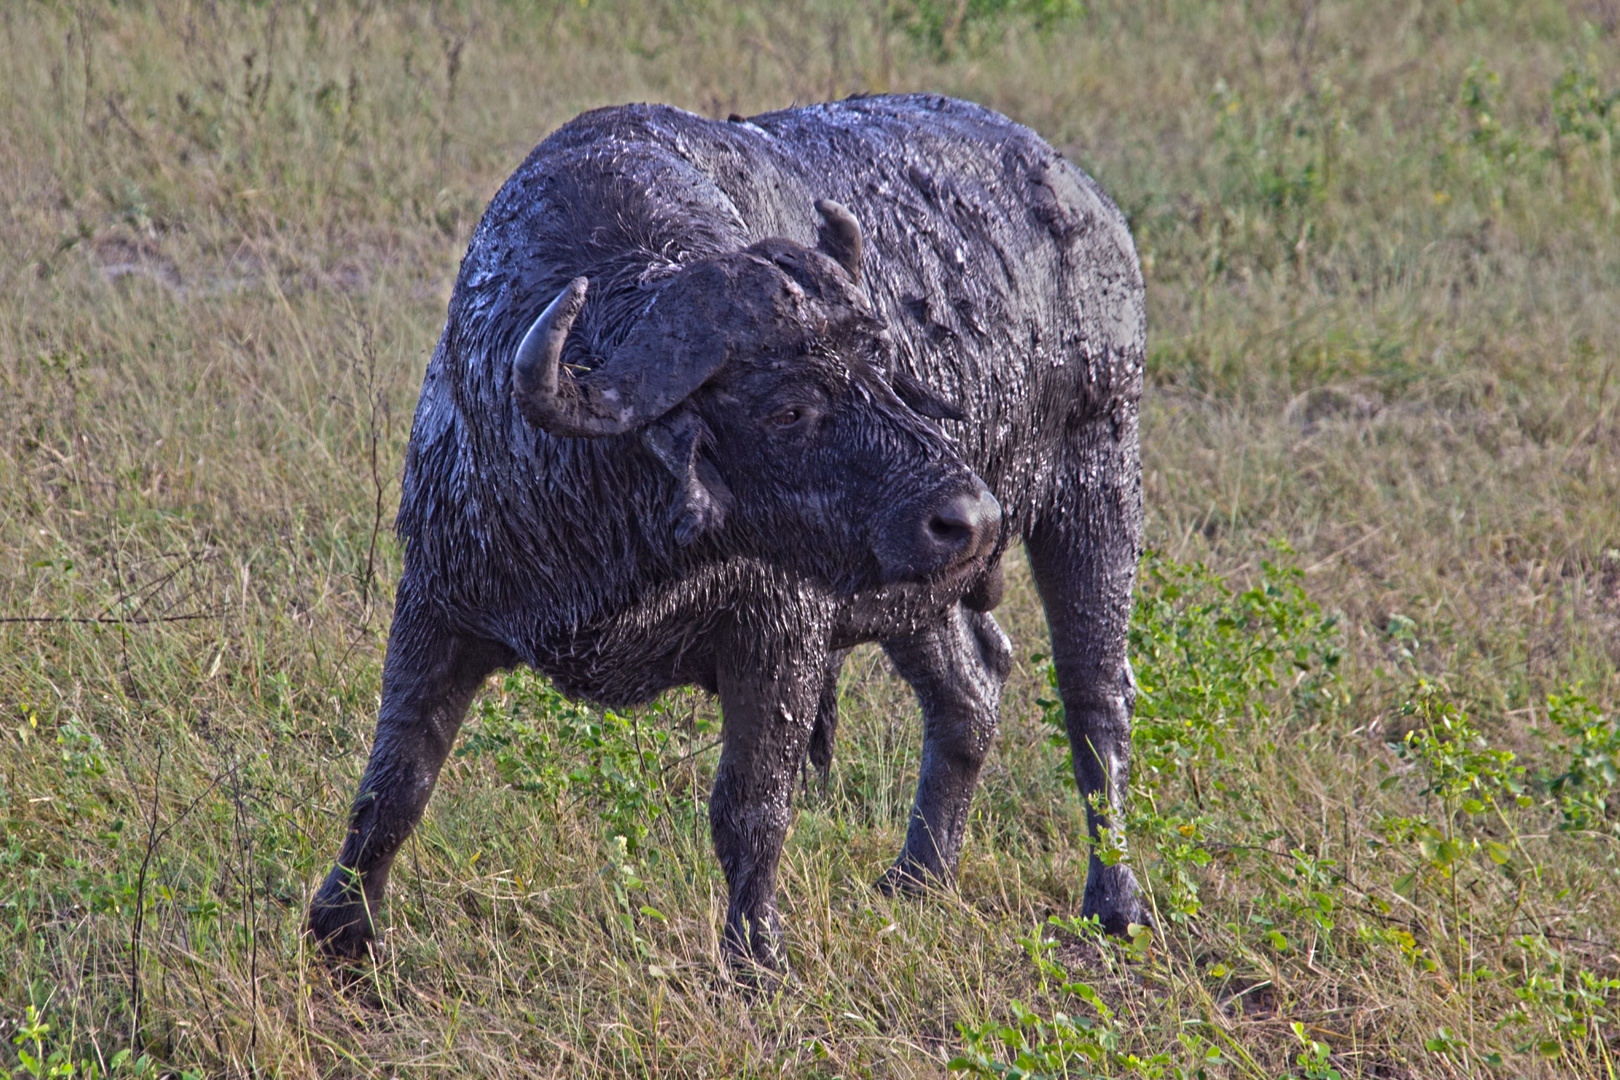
{"type": "Point", "coordinates": [704, 315]}
{"type": "Point", "coordinates": [840, 236]}
{"type": "Point", "coordinates": [588, 407]}
{"type": "Point", "coordinates": [535, 368]}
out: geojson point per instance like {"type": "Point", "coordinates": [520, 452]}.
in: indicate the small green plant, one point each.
{"type": "Point", "coordinates": [1584, 780]}
{"type": "Point", "coordinates": [1471, 781]}
{"type": "Point", "coordinates": [1485, 154]}
{"type": "Point", "coordinates": [82, 752]}
{"type": "Point", "coordinates": [1207, 656]}
{"type": "Point", "coordinates": [945, 25]}
{"type": "Point", "coordinates": [1314, 1059]}
{"type": "Point", "coordinates": [1036, 1047]}
{"type": "Point", "coordinates": [1563, 1010]}
{"type": "Point", "coordinates": [1478, 100]}
{"type": "Point", "coordinates": [1581, 108]}
{"type": "Point", "coordinates": [41, 1061]}
{"type": "Point", "coordinates": [1059, 1046]}
{"type": "Point", "coordinates": [1587, 118]}
{"type": "Point", "coordinates": [1468, 778]}
{"type": "Point", "coordinates": [624, 878]}
{"type": "Point", "coordinates": [1276, 157]}
{"type": "Point", "coordinates": [36, 1061]}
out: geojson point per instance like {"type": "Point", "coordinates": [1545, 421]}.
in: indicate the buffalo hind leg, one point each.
{"type": "Point", "coordinates": [826, 729]}
{"type": "Point", "coordinates": [1083, 557]}
{"type": "Point", "coordinates": [429, 678]}
{"type": "Point", "coordinates": [768, 709]}
{"type": "Point", "coordinates": [958, 669]}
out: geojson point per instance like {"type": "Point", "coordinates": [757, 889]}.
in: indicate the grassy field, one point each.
{"type": "Point", "coordinates": [1377, 797]}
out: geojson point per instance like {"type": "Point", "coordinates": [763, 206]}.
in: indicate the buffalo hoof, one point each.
{"type": "Point", "coordinates": [906, 878]}
{"type": "Point", "coordinates": [756, 979]}
{"type": "Point", "coordinates": [341, 931]}
{"type": "Point", "coordinates": [1112, 896]}
{"type": "Point", "coordinates": [756, 951]}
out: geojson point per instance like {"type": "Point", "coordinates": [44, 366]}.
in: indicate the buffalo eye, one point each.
{"type": "Point", "coordinates": [784, 419]}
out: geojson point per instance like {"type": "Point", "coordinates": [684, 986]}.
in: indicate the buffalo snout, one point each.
{"type": "Point", "coordinates": [951, 530]}
{"type": "Point", "coordinates": [965, 525]}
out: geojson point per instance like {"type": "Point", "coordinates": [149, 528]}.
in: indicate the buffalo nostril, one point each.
{"type": "Point", "coordinates": [964, 522]}
{"type": "Point", "coordinates": [950, 528]}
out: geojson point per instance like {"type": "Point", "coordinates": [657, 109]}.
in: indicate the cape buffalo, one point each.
{"type": "Point", "coordinates": [717, 401]}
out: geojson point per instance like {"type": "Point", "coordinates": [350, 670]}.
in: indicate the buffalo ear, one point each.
{"type": "Point", "coordinates": [702, 498]}
{"type": "Point", "coordinates": [840, 237]}
{"type": "Point", "coordinates": [703, 502]}
{"type": "Point", "coordinates": [922, 400]}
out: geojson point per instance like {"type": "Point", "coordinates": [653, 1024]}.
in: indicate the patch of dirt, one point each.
{"type": "Point", "coordinates": [122, 254]}
{"type": "Point", "coordinates": [1321, 404]}
{"type": "Point", "coordinates": [1608, 593]}
{"type": "Point", "coordinates": [1258, 1001]}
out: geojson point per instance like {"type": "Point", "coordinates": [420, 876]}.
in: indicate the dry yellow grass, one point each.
{"type": "Point", "coordinates": [1384, 287]}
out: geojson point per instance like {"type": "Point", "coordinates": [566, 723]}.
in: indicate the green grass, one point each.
{"type": "Point", "coordinates": [1376, 799]}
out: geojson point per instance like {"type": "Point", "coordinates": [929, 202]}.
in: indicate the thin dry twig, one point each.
{"type": "Point", "coordinates": [102, 620]}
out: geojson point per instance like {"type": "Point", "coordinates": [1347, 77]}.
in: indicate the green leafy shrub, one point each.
{"type": "Point", "coordinates": [1581, 108]}
{"type": "Point", "coordinates": [1214, 665]}
{"type": "Point", "coordinates": [1208, 659]}
{"type": "Point", "coordinates": [543, 744]}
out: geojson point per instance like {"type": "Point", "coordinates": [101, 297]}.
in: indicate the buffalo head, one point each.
{"type": "Point", "coordinates": [760, 379]}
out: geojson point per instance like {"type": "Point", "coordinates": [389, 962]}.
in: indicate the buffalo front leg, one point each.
{"type": "Point", "coordinates": [958, 669]}
{"type": "Point", "coordinates": [768, 709]}
{"type": "Point", "coordinates": [429, 678]}
{"type": "Point", "coordinates": [1083, 555]}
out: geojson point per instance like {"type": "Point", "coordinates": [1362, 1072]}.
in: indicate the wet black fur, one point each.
{"type": "Point", "coordinates": [997, 329]}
